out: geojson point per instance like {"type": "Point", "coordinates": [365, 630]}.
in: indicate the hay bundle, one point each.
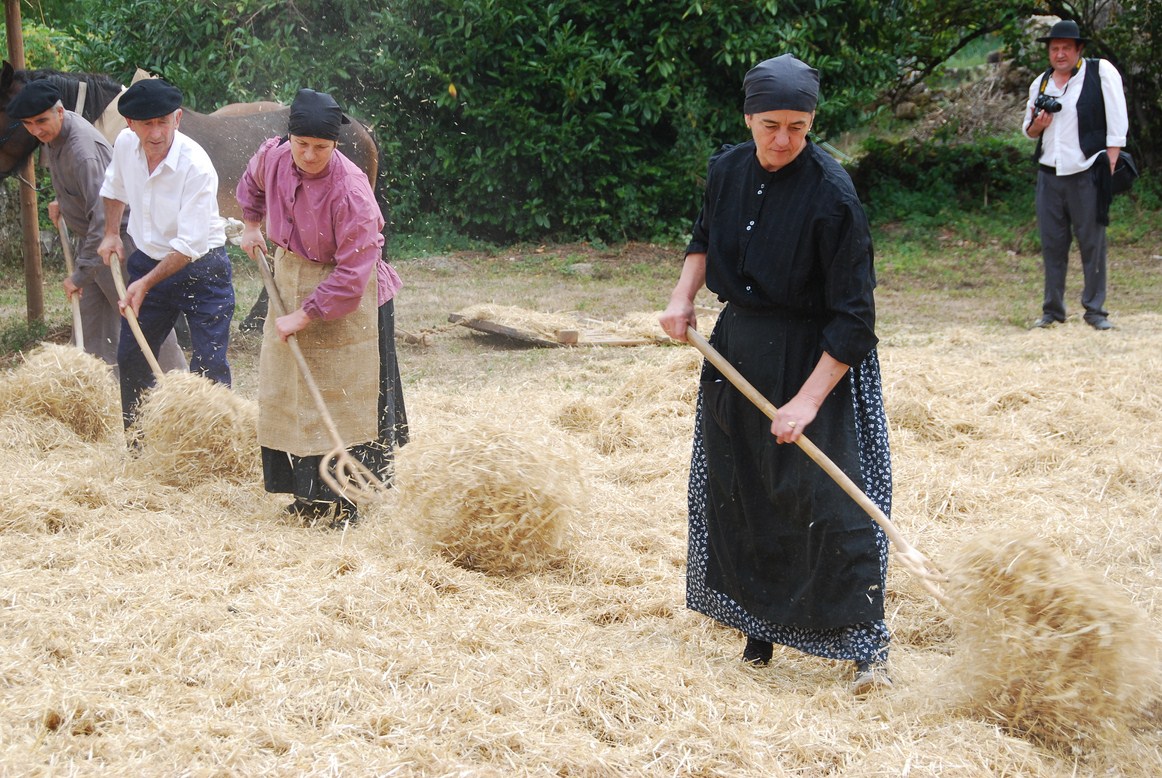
{"type": "Point", "coordinates": [192, 429]}
{"type": "Point", "coordinates": [68, 385]}
{"type": "Point", "coordinates": [491, 498]}
{"type": "Point", "coordinates": [1047, 650]}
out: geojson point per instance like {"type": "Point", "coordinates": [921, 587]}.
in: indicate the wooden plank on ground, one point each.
{"type": "Point", "coordinates": [569, 337]}
{"type": "Point", "coordinates": [493, 328]}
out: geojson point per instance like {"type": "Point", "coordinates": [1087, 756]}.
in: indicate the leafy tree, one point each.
{"type": "Point", "coordinates": [512, 118]}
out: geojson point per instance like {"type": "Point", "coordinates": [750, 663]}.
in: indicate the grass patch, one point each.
{"type": "Point", "coordinates": [431, 236]}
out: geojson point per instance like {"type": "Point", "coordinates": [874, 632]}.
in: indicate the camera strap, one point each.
{"type": "Point", "coordinates": [1049, 74]}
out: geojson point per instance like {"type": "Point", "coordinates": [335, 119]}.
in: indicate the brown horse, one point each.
{"type": "Point", "coordinates": [230, 136]}
{"type": "Point", "coordinates": [242, 109]}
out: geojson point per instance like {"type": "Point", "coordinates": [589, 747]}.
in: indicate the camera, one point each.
{"type": "Point", "coordinates": [1046, 103]}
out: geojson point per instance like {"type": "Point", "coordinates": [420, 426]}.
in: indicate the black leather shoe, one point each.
{"type": "Point", "coordinates": [1100, 324]}
{"type": "Point", "coordinates": [1045, 321]}
{"type": "Point", "coordinates": [757, 652]}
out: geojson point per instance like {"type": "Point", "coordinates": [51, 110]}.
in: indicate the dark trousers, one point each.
{"type": "Point", "coordinates": [1068, 206]}
{"type": "Point", "coordinates": [203, 290]}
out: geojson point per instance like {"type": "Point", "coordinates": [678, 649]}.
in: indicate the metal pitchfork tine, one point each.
{"type": "Point", "coordinates": [342, 472]}
{"type": "Point", "coordinates": [915, 562]}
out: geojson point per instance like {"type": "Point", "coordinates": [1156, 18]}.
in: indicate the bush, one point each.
{"type": "Point", "coordinates": [908, 181]}
{"type": "Point", "coordinates": [508, 119]}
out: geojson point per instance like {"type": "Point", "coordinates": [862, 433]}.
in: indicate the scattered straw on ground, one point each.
{"type": "Point", "coordinates": [164, 630]}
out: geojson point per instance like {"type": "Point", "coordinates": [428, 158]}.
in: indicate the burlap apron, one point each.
{"type": "Point", "coordinates": [344, 359]}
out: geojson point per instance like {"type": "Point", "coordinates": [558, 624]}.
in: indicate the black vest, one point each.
{"type": "Point", "coordinates": [1091, 113]}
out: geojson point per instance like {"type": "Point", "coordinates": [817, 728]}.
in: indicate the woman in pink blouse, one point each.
{"type": "Point", "coordinates": [321, 215]}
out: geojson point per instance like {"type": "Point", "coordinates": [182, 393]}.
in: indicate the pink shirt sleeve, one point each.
{"type": "Point", "coordinates": [250, 192]}
{"type": "Point", "coordinates": [356, 223]}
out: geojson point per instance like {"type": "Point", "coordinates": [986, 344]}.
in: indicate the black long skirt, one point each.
{"type": "Point", "coordinates": [776, 549]}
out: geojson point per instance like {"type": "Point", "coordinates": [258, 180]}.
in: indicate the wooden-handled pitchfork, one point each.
{"type": "Point", "coordinates": [341, 471]}
{"type": "Point", "coordinates": [131, 316]}
{"type": "Point", "coordinates": [74, 300]}
{"type": "Point", "coordinates": [915, 562]}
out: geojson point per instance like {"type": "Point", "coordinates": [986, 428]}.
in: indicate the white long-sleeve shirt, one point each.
{"type": "Point", "coordinates": [1061, 145]}
{"type": "Point", "coordinates": [175, 208]}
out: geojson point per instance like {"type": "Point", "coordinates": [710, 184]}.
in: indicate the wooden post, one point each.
{"type": "Point", "coordinates": [33, 271]}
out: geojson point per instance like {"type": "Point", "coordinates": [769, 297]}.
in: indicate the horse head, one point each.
{"type": "Point", "coordinates": [16, 144]}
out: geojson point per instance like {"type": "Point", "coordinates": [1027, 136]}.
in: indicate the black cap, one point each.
{"type": "Point", "coordinates": [1066, 29]}
{"type": "Point", "coordinates": [34, 99]}
{"type": "Point", "coordinates": [315, 115]}
{"type": "Point", "coordinates": [149, 99]}
{"type": "Point", "coordinates": [783, 83]}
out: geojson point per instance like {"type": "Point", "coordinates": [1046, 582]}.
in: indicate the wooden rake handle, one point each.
{"type": "Point", "coordinates": [67, 248]}
{"type": "Point", "coordinates": [131, 315]}
{"type": "Point", "coordinates": [353, 479]}
{"type": "Point", "coordinates": [911, 558]}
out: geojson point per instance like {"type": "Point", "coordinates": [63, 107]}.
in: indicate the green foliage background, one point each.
{"type": "Point", "coordinates": [563, 119]}
{"type": "Point", "coordinates": [509, 119]}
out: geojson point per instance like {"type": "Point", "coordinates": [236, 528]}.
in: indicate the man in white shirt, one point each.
{"type": "Point", "coordinates": [180, 265]}
{"type": "Point", "coordinates": [1077, 113]}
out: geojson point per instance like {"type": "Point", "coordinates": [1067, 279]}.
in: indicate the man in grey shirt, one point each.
{"type": "Point", "coordinates": [77, 156]}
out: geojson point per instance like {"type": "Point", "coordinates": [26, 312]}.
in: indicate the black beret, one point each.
{"type": "Point", "coordinates": [781, 84]}
{"type": "Point", "coordinates": [149, 98]}
{"type": "Point", "coordinates": [34, 99]}
{"type": "Point", "coordinates": [316, 115]}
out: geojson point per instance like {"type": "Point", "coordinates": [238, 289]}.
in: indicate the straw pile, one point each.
{"type": "Point", "coordinates": [1048, 649]}
{"type": "Point", "coordinates": [65, 385]}
{"type": "Point", "coordinates": [492, 498]}
{"type": "Point", "coordinates": [193, 430]}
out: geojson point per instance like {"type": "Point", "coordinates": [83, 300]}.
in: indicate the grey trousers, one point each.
{"type": "Point", "coordinates": [1067, 206]}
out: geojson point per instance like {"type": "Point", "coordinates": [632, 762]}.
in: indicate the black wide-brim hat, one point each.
{"type": "Point", "coordinates": [1066, 29]}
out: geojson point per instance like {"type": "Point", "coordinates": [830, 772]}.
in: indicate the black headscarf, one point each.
{"type": "Point", "coordinates": [781, 84]}
{"type": "Point", "coordinates": [316, 115]}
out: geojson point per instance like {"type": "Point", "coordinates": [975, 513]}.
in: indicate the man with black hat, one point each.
{"type": "Point", "coordinates": [77, 156]}
{"type": "Point", "coordinates": [320, 212]}
{"type": "Point", "coordinates": [1077, 112]}
{"type": "Point", "coordinates": [777, 550]}
{"type": "Point", "coordinates": [180, 263]}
